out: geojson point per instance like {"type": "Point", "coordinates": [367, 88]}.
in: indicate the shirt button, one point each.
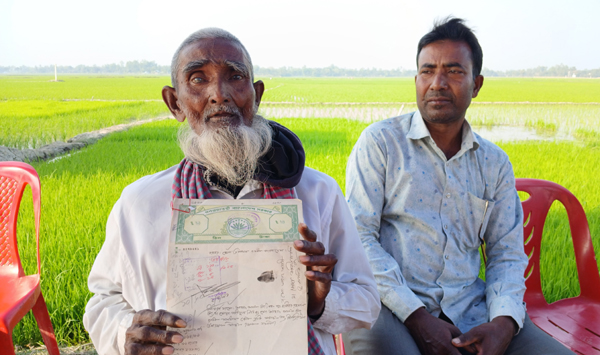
{"type": "Point", "coordinates": [447, 257]}
{"type": "Point", "coordinates": [445, 226]}
{"type": "Point", "coordinates": [448, 195]}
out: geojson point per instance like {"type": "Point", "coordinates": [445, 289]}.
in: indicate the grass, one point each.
{"type": "Point", "coordinates": [576, 167]}
{"type": "Point", "coordinates": [35, 123]}
{"type": "Point", "coordinates": [82, 87]}
{"type": "Point", "coordinates": [548, 118]}
{"type": "Point", "coordinates": [564, 118]}
{"type": "Point", "coordinates": [362, 90]}
{"type": "Point", "coordinates": [79, 191]}
{"type": "Point", "coordinates": [299, 90]}
{"type": "Point", "coordinates": [34, 112]}
{"type": "Point", "coordinates": [540, 90]}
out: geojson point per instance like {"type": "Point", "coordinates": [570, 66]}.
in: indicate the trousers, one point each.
{"type": "Point", "coordinates": [390, 336]}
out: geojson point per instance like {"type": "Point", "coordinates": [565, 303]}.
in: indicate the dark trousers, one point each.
{"type": "Point", "coordinates": [390, 336]}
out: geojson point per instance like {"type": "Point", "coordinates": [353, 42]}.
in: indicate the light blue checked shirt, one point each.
{"type": "Point", "coordinates": [420, 218]}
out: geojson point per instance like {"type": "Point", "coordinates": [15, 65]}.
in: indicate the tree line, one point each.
{"type": "Point", "coordinates": [131, 67]}
{"type": "Point", "coordinates": [560, 70]}
{"type": "Point", "coordinates": [145, 67]}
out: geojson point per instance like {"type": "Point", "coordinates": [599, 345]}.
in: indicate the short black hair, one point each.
{"type": "Point", "coordinates": [454, 29]}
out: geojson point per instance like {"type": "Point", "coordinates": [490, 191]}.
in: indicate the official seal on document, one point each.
{"type": "Point", "coordinates": [238, 227]}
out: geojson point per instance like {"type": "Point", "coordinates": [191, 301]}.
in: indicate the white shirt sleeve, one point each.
{"type": "Point", "coordinates": [353, 301]}
{"type": "Point", "coordinates": [107, 314]}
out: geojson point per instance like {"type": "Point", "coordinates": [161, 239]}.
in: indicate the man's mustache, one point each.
{"type": "Point", "coordinates": [233, 110]}
{"type": "Point", "coordinates": [438, 94]}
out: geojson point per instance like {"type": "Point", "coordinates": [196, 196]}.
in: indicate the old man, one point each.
{"type": "Point", "coordinates": [230, 153]}
{"type": "Point", "coordinates": [427, 192]}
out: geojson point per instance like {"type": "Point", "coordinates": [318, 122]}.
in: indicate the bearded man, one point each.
{"type": "Point", "coordinates": [230, 152]}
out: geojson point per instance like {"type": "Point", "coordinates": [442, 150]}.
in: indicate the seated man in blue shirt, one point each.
{"type": "Point", "coordinates": [426, 192]}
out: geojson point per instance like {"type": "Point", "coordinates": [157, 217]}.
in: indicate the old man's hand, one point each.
{"type": "Point", "coordinates": [148, 334]}
{"type": "Point", "coordinates": [319, 267]}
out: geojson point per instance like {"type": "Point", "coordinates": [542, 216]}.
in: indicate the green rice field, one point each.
{"type": "Point", "coordinates": [79, 191]}
{"type": "Point", "coordinates": [307, 90]}
{"type": "Point", "coordinates": [35, 111]}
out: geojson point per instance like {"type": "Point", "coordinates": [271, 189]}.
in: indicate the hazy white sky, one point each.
{"type": "Point", "coordinates": [514, 34]}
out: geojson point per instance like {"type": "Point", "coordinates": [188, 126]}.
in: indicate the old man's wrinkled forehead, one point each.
{"type": "Point", "coordinates": [211, 33]}
{"type": "Point", "coordinates": [237, 66]}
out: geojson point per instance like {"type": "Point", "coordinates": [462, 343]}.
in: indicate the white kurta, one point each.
{"type": "Point", "coordinates": [129, 273]}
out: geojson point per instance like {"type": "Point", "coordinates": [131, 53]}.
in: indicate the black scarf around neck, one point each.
{"type": "Point", "coordinates": [282, 165]}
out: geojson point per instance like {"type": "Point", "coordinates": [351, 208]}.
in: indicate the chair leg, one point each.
{"type": "Point", "coordinates": [342, 348]}
{"type": "Point", "coordinates": [6, 343]}
{"type": "Point", "coordinates": [40, 312]}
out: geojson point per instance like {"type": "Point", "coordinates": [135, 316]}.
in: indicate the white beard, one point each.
{"type": "Point", "coordinates": [230, 152]}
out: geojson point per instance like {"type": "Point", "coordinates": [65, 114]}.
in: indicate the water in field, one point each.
{"type": "Point", "coordinates": [497, 123]}
{"type": "Point", "coordinates": [359, 112]}
{"type": "Point", "coordinates": [519, 133]}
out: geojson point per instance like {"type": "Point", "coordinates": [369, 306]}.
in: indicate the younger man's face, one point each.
{"type": "Point", "coordinates": [444, 81]}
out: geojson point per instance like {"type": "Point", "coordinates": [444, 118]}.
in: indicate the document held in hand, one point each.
{"type": "Point", "coordinates": [235, 278]}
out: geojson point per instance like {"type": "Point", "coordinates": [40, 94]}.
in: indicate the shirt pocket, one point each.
{"type": "Point", "coordinates": [480, 211]}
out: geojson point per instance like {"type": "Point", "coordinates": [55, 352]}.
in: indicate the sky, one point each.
{"type": "Point", "coordinates": [514, 34]}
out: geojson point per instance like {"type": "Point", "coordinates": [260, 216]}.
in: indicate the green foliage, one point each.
{"type": "Point", "coordinates": [576, 167]}
{"type": "Point", "coordinates": [360, 90]}
{"type": "Point", "coordinates": [314, 90]}
{"type": "Point", "coordinates": [34, 123]}
{"type": "Point", "coordinates": [545, 118]}
{"type": "Point", "coordinates": [78, 193]}
{"type": "Point", "coordinates": [539, 90]}
{"type": "Point", "coordinates": [83, 87]}
{"type": "Point", "coordinates": [34, 112]}
{"type": "Point", "coordinates": [299, 89]}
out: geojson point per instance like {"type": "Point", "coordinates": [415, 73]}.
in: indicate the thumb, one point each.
{"type": "Point", "coordinates": [466, 340]}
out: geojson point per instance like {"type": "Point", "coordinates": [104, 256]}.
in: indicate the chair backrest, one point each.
{"type": "Point", "coordinates": [14, 176]}
{"type": "Point", "coordinates": [542, 194]}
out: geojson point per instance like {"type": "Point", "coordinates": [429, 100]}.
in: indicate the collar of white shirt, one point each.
{"type": "Point", "coordinates": [252, 189]}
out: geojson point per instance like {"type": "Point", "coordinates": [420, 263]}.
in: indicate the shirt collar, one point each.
{"type": "Point", "coordinates": [418, 130]}
{"type": "Point", "coordinates": [249, 187]}
{"type": "Point", "coordinates": [469, 140]}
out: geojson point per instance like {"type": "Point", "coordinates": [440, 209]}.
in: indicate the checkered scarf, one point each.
{"type": "Point", "coordinates": [189, 183]}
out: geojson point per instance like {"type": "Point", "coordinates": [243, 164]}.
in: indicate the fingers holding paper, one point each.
{"type": "Point", "coordinates": [319, 267]}
{"type": "Point", "coordinates": [147, 334]}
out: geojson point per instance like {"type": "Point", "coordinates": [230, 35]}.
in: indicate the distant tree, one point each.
{"type": "Point", "coordinates": [131, 67]}
{"type": "Point", "coordinates": [331, 71]}
{"type": "Point", "coordinates": [145, 67]}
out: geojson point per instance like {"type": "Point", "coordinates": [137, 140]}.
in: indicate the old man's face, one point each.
{"type": "Point", "coordinates": [216, 94]}
{"type": "Point", "coordinates": [214, 86]}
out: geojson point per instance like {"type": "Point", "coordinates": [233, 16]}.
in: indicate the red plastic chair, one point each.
{"type": "Point", "coordinates": [575, 321]}
{"type": "Point", "coordinates": [20, 292]}
{"type": "Point", "coordinates": [338, 342]}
